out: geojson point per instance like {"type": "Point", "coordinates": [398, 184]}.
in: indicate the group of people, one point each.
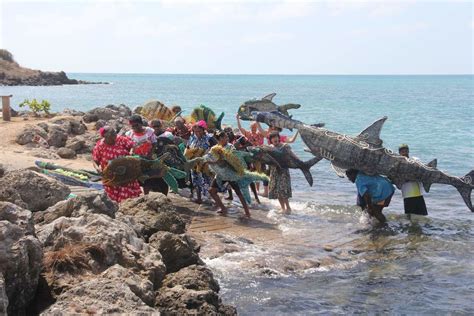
{"type": "Point", "coordinates": [147, 140]}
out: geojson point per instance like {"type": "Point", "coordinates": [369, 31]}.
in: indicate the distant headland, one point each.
{"type": "Point", "coordinates": [12, 74]}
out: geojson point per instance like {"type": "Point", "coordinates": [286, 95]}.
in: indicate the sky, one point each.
{"type": "Point", "coordinates": [241, 37]}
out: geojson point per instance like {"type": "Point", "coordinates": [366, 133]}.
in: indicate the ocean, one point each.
{"type": "Point", "coordinates": [405, 268]}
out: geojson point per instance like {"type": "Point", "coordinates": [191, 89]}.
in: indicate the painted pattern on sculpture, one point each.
{"type": "Point", "coordinates": [366, 153]}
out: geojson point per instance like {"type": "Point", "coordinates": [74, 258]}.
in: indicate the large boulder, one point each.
{"type": "Point", "coordinates": [66, 153]}
{"type": "Point", "coordinates": [71, 125]}
{"type": "Point", "coordinates": [119, 244]}
{"type": "Point", "coordinates": [29, 134]}
{"type": "Point", "coordinates": [57, 136]}
{"type": "Point", "coordinates": [191, 291]}
{"type": "Point", "coordinates": [31, 190]}
{"type": "Point", "coordinates": [85, 203]}
{"type": "Point", "coordinates": [151, 213]}
{"type": "Point", "coordinates": [20, 257]}
{"type": "Point", "coordinates": [141, 287]}
{"type": "Point", "coordinates": [107, 113]}
{"type": "Point", "coordinates": [100, 296]}
{"type": "Point", "coordinates": [178, 251]}
{"type": "Point", "coordinates": [76, 143]}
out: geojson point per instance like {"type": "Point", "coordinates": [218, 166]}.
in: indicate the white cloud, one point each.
{"type": "Point", "coordinates": [266, 37]}
{"type": "Point", "coordinates": [287, 10]}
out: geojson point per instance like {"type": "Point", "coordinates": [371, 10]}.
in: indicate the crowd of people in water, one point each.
{"type": "Point", "coordinates": [147, 140]}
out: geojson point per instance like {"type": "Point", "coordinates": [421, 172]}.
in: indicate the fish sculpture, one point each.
{"type": "Point", "coordinates": [365, 152]}
{"type": "Point", "coordinates": [206, 114]}
{"type": "Point", "coordinates": [283, 157]}
{"type": "Point", "coordinates": [228, 165]}
{"type": "Point", "coordinates": [155, 110]}
{"type": "Point", "coordinates": [264, 105]}
{"type": "Point", "coordinates": [123, 170]}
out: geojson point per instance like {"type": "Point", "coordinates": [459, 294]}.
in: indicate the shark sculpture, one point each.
{"type": "Point", "coordinates": [264, 105]}
{"type": "Point", "coordinates": [283, 158]}
{"type": "Point", "coordinates": [365, 152]}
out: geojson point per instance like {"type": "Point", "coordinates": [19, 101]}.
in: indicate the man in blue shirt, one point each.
{"type": "Point", "coordinates": [376, 191]}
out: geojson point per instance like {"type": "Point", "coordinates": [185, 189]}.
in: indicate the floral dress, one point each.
{"type": "Point", "coordinates": [103, 153]}
{"type": "Point", "coordinates": [143, 141]}
{"type": "Point", "coordinates": [280, 180]}
{"type": "Point", "coordinates": [200, 180]}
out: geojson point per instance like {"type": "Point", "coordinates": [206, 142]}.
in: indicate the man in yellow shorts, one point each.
{"type": "Point", "coordinates": [413, 200]}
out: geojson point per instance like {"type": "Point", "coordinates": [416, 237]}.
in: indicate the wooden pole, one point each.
{"type": "Point", "coordinates": [6, 107]}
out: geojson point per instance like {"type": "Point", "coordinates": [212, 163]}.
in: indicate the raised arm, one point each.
{"type": "Point", "coordinates": [241, 129]}
{"type": "Point", "coordinates": [261, 130]}
{"type": "Point", "coordinates": [292, 139]}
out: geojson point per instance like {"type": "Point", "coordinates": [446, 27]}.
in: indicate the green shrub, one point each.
{"type": "Point", "coordinates": [37, 107]}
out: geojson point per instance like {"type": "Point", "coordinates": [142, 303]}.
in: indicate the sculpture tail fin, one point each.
{"type": "Point", "coordinates": [465, 189]}
{"type": "Point", "coordinates": [306, 169]}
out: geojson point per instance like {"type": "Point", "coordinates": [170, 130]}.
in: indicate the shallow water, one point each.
{"type": "Point", "coordinates": [404, 268]}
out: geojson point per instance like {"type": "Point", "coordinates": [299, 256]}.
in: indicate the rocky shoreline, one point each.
{"type": "Point", "coordinates": [87, 254]}
{"type": "Point", "coordinates": [12, 74]}
{"type": "Point", "coordinates": [66, 253]}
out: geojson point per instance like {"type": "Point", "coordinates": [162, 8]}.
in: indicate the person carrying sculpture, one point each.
{"type": "Point", "coordinates": [143, 136]}
{"type": "Point", "coordinates": [376, 191]}
{"type": "Point", "coordinates": [198, 144]}
{"type": "Point", "coordinates": [221, 186]}
{"type": "Point", "coordinates": [283, 140]}
{"type": "Point", "coordinates": [181, 129]}
{"type": "Point", "coordinates": [109, 147]}
{"type": "Point", "coordinates": [280, 180]}
{"type": "Point", "coordinates": [413, 200]}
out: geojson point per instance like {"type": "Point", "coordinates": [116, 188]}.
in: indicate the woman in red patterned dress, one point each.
{"type": "Point", "coordinates": [108, 148]}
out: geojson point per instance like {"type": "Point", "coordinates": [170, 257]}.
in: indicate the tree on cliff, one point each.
{"type": "Point", "coordinates": [7, 56]}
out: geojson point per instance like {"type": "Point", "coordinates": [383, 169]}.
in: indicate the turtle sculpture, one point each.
{"type": "Point", "coordinates": [126, 169]}
{"type": "Point", "coordinates": [264, 105]}
{"type": "Point", "coordinates": [231, 166]}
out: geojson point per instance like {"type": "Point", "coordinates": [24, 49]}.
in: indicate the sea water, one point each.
{"type": "Point", "coordinates": [407, 267]}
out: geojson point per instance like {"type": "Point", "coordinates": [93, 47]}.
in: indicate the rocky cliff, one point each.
{"type": "Point", "coordinates": [12, 74]}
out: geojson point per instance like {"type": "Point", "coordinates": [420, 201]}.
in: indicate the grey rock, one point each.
{"type": "Point", "coordinates": [44, 126]}
{"type": "Point", "coordinates": [72, 112]}
{"type": "Point", "coordinates": [86, 203]}
{"type": "Point", "coordinates": [2, 170]}
{"type": "Point", "coordinates": [31, 190]}
{"type": "Point", "coordinates": [178, 251]}
{"type": "Point", "coordinates": [26, 136]}
{"type": "Point", "coordinates": [151, 213]}
{"type": "Point", "coordinates": [76, 143]}
{"type": "Point", "coordinates": [119, 243]}
{"type": "Point", "coordinates": [20, 256]}
{"type": "Point", "coordinates": [192, 291]}
{"type": "Point", "coordinates": [71, 125]}
{"type": "Point", "coordinates": [66, 153]}
{"type": "Point", "coordinates": [100, 296]}
{"type": "Point", "coordinates": [57, 136]}
{"type": "Point", "coordinates": [107, 113]}
{"type": "Point", "coordinates": [139, 286]}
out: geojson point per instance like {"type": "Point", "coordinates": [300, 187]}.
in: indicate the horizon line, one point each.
{"type": "Point", "coordinates": [270, 74]}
